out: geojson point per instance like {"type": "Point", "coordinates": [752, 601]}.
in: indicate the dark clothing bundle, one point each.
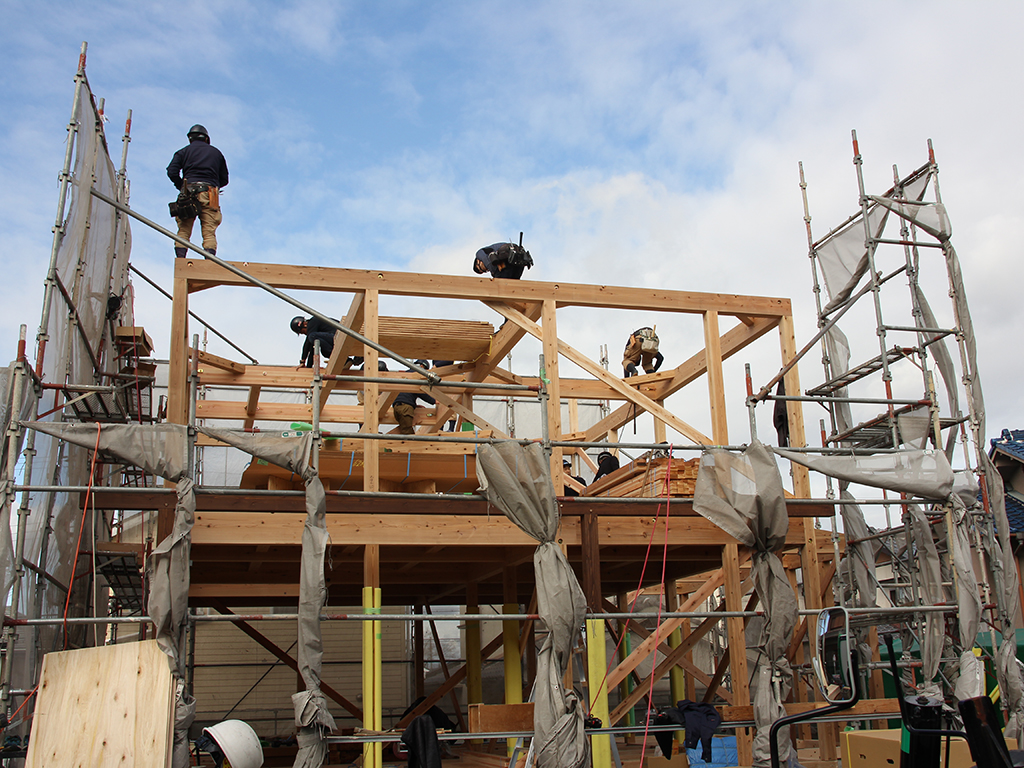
{"type": "Point", "coordinates": [199, 162]}
{"type": "Point", "coordinates": [700, 720]}
{"type": "Point", "coordinates": [317, 329]}
{"type": "Point", "coordinates": [420, 739]}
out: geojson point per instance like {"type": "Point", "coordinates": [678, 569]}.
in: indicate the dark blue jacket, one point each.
{"type": "Point", "coordinates": [198, 162]}
{"type": "Point", "coordinates": [316, 329]}
{"type": "Point", "coordinates": [410, 398]}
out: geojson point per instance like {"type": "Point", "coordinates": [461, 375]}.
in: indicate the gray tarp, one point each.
{"type": "Point", "coordinates": [312, 717]}
{"type": "Point", "coordinates": [160, 449]}
{"type": "Point", "coordinates": [742, 495]}
{"type": "Point", "coordinates": [517, 480]}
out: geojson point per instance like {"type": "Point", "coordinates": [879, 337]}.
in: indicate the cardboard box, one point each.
{"type": "Point", "coordinates": [877, 749]}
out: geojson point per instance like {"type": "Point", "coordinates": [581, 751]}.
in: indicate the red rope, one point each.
{"type": "Point", "coordinates": [81, 529]}
{"type": "Point", "coordinates": [636, 595]}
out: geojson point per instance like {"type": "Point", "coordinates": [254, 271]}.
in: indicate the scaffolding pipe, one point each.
{"type": "Point", "coordinates": [433, 378]}
{"type": "Point", "coordinates": [202, 322]}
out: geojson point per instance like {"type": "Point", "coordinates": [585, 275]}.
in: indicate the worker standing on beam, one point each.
{"type": "Point", "coordinates": [642, 347]}
{"type": "Point", "coordinates": [199, 172]}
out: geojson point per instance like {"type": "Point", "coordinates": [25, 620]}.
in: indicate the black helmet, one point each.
{"type": "Point", "coordinates": [198, 131]}
{"type": "Point", "coordinates": [298, 321]}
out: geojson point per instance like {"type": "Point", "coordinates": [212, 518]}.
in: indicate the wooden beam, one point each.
{"type": "Point", "coordinates": [206, 359]}
{"type": "Point", "coordinates": [252, 405]}
{"type": "Point", "coordinates": [333, 279]}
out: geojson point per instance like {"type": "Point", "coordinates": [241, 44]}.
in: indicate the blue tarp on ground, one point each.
{"type": "Point", "coordinates": [723, 753]}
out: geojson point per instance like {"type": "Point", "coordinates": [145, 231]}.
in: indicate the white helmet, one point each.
{"type": "Point", "coordinates": [239, 743]}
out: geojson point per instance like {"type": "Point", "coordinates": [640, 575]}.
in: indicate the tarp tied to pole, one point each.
{"type": "Point", "coordinates": [517, 480]}
{"type": "Point", "coordinates": [159, 449]}
{"type": "Point", "coordinates": [312, 717]}
{"type": "Point", "coordinates": [742, 495]}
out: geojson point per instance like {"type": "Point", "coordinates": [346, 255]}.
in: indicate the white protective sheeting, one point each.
{"type": "Point", "coordinates": [91, 263]}
{"type": "Point", "coordinates": [517, 480]}
{"type": "Point", "coordinates": [844, 259]}
{"type": "Point", "coordinates": [742, 495]}
{"type": "Point", "coordinates": [924, 473]}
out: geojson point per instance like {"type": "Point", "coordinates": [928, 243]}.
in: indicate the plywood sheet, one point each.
{"type": "Point", "coordinates": [107, 706]}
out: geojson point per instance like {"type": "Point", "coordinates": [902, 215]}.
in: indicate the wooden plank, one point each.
{"type": "Point", "coordinates": [716, 379]}
{"type": "Point", "coordinates": [252, 404]}
{"type": "Point", "coordinates": [498, 718]}
{"type": "Point", "coordinates": [111, 705]}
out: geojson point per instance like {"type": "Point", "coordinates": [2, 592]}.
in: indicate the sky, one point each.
{"type": "Point", "coordinates": [650, 144]}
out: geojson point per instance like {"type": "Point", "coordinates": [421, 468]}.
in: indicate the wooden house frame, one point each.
{"type": "Point", "coordinates": [245, 547]}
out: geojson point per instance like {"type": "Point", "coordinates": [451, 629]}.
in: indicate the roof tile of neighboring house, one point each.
{"type": "Point", "coordinates": [1010, 442]}
{"type": "Point", "coordinates": [1015, 511]}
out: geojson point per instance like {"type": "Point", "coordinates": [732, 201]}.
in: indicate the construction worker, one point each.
{"type": "Point", "coordinates": [314, 329]}
{"type": "Point", "coordinates": [503, 260]}
{"type": "Point", "coordinates": [606, 464]}
{"type": "Point", "coordinates": [642, 347]}
{"type": "Point", "coordinates": [404, 407]}
{"type": "Point", "coordinates": [567, 470]}
{"type": "Point", "coordinates": [199, 171]}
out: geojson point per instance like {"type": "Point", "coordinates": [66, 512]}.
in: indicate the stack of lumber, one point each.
{"type": "Point", "coordinates": [435, 339]}
{"type": "Point", "coordinates": [645, 478]}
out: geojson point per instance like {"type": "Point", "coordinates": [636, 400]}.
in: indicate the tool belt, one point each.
{"type": "Point", "coordinates": [197, 186]}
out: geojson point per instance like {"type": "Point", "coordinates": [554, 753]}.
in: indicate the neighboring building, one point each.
{"type": "Point", "coordinates": [1007, 453]}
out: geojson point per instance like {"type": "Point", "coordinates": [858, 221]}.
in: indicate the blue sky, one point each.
{"type": "Point", "coordinates": [646, 143]}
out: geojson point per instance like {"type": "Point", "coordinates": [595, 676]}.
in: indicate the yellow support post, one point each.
{"type": "Point", "coordinates": [513, 663]}
{"type": "Point", "coordinates": [597, 668]}
{"type": "Point", "coordinates": [372, 752]}
{"type": "Point", "coordinates": [677, 677]}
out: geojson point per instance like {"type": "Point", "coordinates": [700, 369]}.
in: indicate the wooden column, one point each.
{"type": "Point", "coordinates": [550, 328]}
{"type": "Point", "coordinates": [597, 666]}
{"type": "Point", "coordinates": [177, 369]}
{"type": "Point", "coordinates": [625, 648]}
{"type": "Point", "coordinates": [373, 716]}
{"type": "Point", "coordinates": [716, 380]}
{"type": "Point", "coordinates": [677, 677]}
{"type": "Point", "coordinates": [737, 647]}
{"type": "Point", "coordinates": [371, 420]}
{"type": "Point", "coordinates": [474, 662]}
{"type": "Point", "coordinates": [510, 643]}
{"type": "Point", "coordinates": [418, 653]}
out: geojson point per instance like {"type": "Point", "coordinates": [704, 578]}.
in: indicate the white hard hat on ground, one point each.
{"type": "Point", "coordinates": [239, 743]}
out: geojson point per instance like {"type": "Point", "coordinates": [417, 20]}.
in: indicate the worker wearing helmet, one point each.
{"type": "Point", "coordinates": [314, 329]}
{"type": "Point", "coordinates": [199, 170]}
{"type": "Point", "coordinates": [642, 348]}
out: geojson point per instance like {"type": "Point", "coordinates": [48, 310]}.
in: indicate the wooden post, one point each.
{"type": "Point", "coordinates": [510, 642]}
{"type": "Point", "coordinates": [677, 677]}
{"type": "Point", "coordinates": [716, 379]}
{"type": "Point", "coordinates": [371, 420]}
{"type": "Point", "coordinates": [418, 654]}
{"type": "Point", "coordinates": [550, 329]}
{"type": "Point", "coordinates": [737, 647]}
{"type": "Point", "coordinates": [625, 648]}
{"type": "Point", "coordinates": [474, 663]}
